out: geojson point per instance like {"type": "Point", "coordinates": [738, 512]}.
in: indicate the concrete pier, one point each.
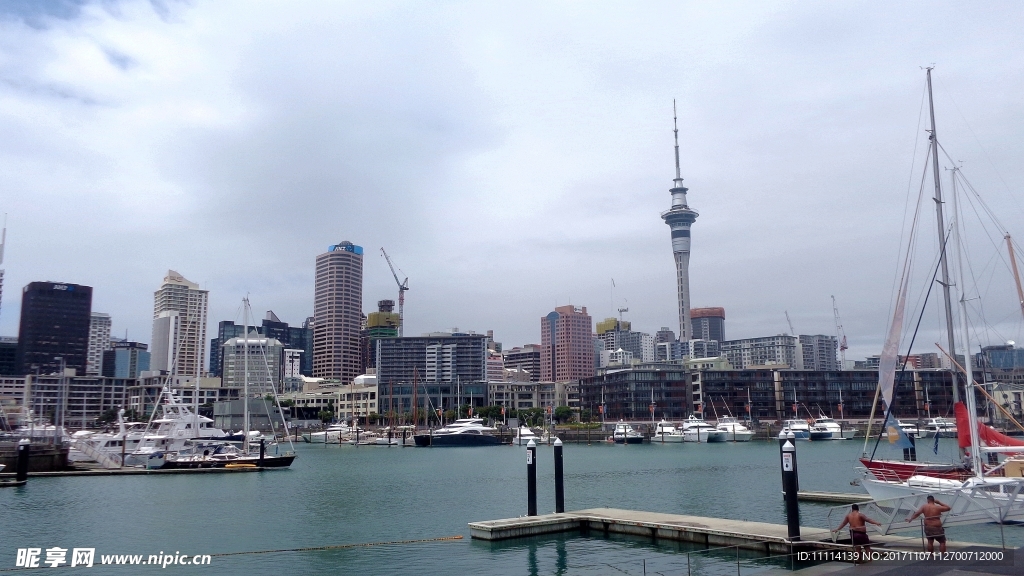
{"type": "Point", "coordinates": [832, 497]}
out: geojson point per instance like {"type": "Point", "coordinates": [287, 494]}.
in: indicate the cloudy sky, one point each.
{"type": "Point", "coordinates": [510, 157]}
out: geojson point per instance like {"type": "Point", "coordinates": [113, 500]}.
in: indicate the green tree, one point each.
{"type": "Point", "coordinates": [563, 414]}
{"type": "Point", "coordinates": [325, 416]}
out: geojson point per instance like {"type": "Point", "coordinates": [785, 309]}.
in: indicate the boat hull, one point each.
{"type": "Point", "coordinates": [454, 440]}
{"type": "Point", "coordinates": [268, 462]}
{"type": "Point", "coordinates": [744, 436]}
{"type": "Point", "coordinates": [628, 439]}
{"type": "Point", "coordinates": [889, 470]}
{"type": "Point", "coordinates": [666, 438]}
{"type": "Point", "coordinates": [821, 435]}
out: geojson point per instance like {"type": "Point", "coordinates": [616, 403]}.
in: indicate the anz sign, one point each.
{"type": "Point", "coordinates": [65, 287]}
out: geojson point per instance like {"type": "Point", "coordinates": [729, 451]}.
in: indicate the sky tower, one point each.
{"type": "Point", "coordinates": [679, 218]}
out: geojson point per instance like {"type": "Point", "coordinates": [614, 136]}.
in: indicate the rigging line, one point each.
{"type": "Point", "coordinates": [899, 378]}
{"type": "Point", "coordinates": [974, 191]}
{"type": "Point", "coordinates": [911, 237]}
{"type": "Point", "coordinates": [910, 175]}
{"type": "Point", "coordinates": [984, 152]}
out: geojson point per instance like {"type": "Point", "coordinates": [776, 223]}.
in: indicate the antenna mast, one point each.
{"type": "Point", "coordinates": [675, 132]}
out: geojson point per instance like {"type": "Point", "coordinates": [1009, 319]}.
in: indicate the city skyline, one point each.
{"type": "Point", "coordinates": [489, 183]}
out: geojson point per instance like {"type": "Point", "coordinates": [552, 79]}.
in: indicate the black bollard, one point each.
{"type": "Point", "coordinates": [21, 467]}
{"type": "Point", "coordinates": [559, 487]}
{"type": "Point", "coordinates": [263, 450]}
{"type": "Point", "coordinates": [531, 478]}
{"type": "Point", "coordinates": [789, 482]}
{"type": "Point", "coordinates": [910, 454]}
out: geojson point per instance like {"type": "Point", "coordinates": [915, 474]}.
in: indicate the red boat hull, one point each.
{"type": "Point", "coordinates": [900, 470]}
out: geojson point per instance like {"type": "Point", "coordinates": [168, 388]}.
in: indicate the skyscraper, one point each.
{"type": "Point", "coordinates": [337, 311]}
{"type": "Point", "coordinates": [380, 324]}
{"type": "Point", "coordinates": [566, 345]}
{"type": "Point", "coordinates": [707, 324]}
{"type": "Point", "coordinates": [679, 218]}
{"type": "Point", "coordinates": [54, 323]}
{"type": "Point", "coordinates": [99, 341]}
{"type": "Point", "coordinates": [179, 326]}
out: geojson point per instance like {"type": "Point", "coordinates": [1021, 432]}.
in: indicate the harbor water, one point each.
{"type": "Point", "coordinates": [336, 495]}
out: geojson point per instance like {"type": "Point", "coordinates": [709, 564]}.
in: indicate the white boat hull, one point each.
{"type": "Point", "coordinates": [706, 435]}
{"type": "Point", "coordinates": [666, 438]}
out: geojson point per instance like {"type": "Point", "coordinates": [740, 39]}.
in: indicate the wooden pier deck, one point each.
{"type": "Point", "coordinates": [832, 497]}
{"type": "Point", "coordinates": [712, 532]}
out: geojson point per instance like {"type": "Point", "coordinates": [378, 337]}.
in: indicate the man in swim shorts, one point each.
{"type": "Point", "coordinates": [933, 530]}
{"type": "Point", "coordinates": [858, 529]}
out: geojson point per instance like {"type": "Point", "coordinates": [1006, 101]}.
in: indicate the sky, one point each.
{"type": "Point", "coordinates": [510, 157]}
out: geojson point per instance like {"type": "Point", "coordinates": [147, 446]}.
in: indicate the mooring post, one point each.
{"type": "Point", "coordinates": [263, 450]}
{"type": "Point", "coordinates": [21, 467]}
{"type": "Point", "coordinates": [531, 478]}
{"type": "Point", "coordinates": [790, 486]}
{"type": "Point", "coordinates": [559, 486]}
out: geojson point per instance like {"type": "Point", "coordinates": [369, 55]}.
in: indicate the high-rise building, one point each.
{"type": "Point", "coordinates": [616, 334]}
{"type": "Point", "coordinates": [8, 356]}
{"type": "Point", "coordinates": [495, 366]}
{"type": "Point", "coordinates": [179, 326]}
{"type": "Point", "coordinates": [819, 352]}
{"type": "Point", "coordinates": [54, 323]}
{"type": "Point", "coordinates": [707, 324]}
{"type": "Point", "coordinates": [781, 350]}
{"type": "Point", "coordinates": [125, 360]}
{"type": "Point", "coordinates": [337, 310]}
{"type": "Point", "coordinates": [257, 355]}
{"type": "Point", "coordinates": [679, 218]}
{"type": "Point", "coordinates": [291, 337]}
{"type": "Point", "coordinates": [226, 330]}
{"type": "Point", "coordinates": [566, 345]}
{"type": "Point", "coordinates": [524, 359]}
{"type": "Point", "coordinates": [665, 335]}
{"type": "Point", "coordinates": [380, 324]}
{"type": "Point", "coordinates": [99, 342]}
{"type": "Point", "coordinates": [438, 357]}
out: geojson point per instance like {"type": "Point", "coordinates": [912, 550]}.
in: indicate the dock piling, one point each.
{"type": "Point", "coordinates": [263, 451]}
{"type": "Point", "coordinates": [559, 486]}
{"type": "Point", "coordinates": [790, 485]}
{"type": "Point", "coordinates": [21, 467]}
{"type": "Point", "coordinates": [531, 478]}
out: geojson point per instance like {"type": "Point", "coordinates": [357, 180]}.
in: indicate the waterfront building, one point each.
{"type": "Point", "coordinates": [144, 393]}
{"type": "Point", "coordinates": [75, 401]}
{"type": "Point", "coordinates": [447, 357]}
{"type": "Point", "coordinates": [522, 395]}
{"type": "Point", "coordinates": [524, 358]}
{"type": "Point", "coordinates": [357, 400]}
{"type": "Point", "coordinates": [179, 326]}
{"type": "Point", "coordinates": [668, 351]}
{"type": "Point", "coordinates": [708, 323]}
{"type": "Point", "coordinates": [264, 416]}
{"type": "Point", "coordinates": [337, 311]}
{"type": "Point", "coordinates": [8, 356]}
{"type": "Point", "coordinates": [618, 357]}
{"type": "Point", "coordinates": [54, 324]}
{"type": "Point", "coordinates": [99, 342]}
{"type": "Point", "coordinates": [567, 345]}
{"type": "Point", "coordinates": [700, 348]}
{"type": "Point", "coordinates": [778, 351]}
{"type": "Point", "coordinates": [628, 392]}
{"type": "Point", "coordinates": [679, 219]}
{"type": "Point", "coordinates": [126, 360]}
{"type": "Point", "coordinates": [869, 363]}
{"type": "Point", "coordinates": [257, 355]}
{"type": "Point", "coordinates": [819, 352]}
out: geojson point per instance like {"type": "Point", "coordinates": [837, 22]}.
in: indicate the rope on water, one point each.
{"type": "Point", "coordinates": [344, 546]}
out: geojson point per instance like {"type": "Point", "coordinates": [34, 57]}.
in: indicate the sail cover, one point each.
{"type": "Point", "coordinates": [890, 352]}
{"type": "Point", "coordinates": [987, 434]}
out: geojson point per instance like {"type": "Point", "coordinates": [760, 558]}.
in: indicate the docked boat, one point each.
{"type": "Point", "coordinates": [333, 434]}
{"type": "Point", "coordinates": [800, 428]}
{"type": "Point", "coordinates": [909, 428]}
{"type": "Point", "coordinates": [395, 436]}
{"type": "Point", "coordinates": [666, 432]}
{"type": "Point", "coordinates": [462, 432]}
{"type": "Point", "coordinates": [217, 454]}
{"type": "Point", "coordinates": [734, 430]}
{"type": "Point", "coordinates": [820, 432]}
{"type": "Point", "coordinates": [697, 430]}
{"type": "Point", "coordinates": [838, 432]}
{"type": "Point", "coordinates": [939, 427]}
{"type": "Point", "coordinates": [524, 434]}
{"type": "Point", "coordinates": [625, 434]}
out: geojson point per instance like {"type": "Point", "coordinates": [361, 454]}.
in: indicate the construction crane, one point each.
{"type": "Point", "coordinates": [403, 285]}
{"type": "Point", "coordinates": [790, 322]}
{"type": "Point", "coordinates": [840, 335]}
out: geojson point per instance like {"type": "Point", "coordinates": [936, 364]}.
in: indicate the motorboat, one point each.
{"type": "Point", "coordinates": [666, 432]}
{"type": "Point", "coordinates": [734, 429]}
{"type": "Point", "coordinates": [837, 430]}
{"type": "Point", "coordinates": [939, 427]}
{"type": "Point", "coordinates": [625, 434]}
{"type": "Point", "coordinates": [820, 432]}
{"type": "Point", "coordinates": [462, 432]}
{"type": "Point", "coordinates": [395, 436]}
{"type": "Point", "coordinates": [333, 434]}
{"type": "Point", "coordinates": [800, 428]}
{"type": "Point", "coordinates": [909, 428]}
{"type": "Point", "coordinates": [697, 430]}
{"type": "Point", "coordinates": [524, 434]}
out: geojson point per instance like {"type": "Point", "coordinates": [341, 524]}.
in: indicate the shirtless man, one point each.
{"type": "Point", "coordinates": [858, 529]}
{"type": "Point", "coordinates": [933, 530]}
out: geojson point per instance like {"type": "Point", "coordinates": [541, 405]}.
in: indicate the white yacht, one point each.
{"type": "Point", "coordinates": [800, 428]}
{"type": "Point", "coordinates": [524, 434]}
{"type": "Point", "coordinates": [734, 429]}
{"type": "Point", "coordinates": [333, 434]}
{"type": "Point", "coordinates": [625, 434]}
{"type": "Point", "coordinates": [910, 428]}
{"type": "Point", "coordinates": [666, 432]}
{"type": "Point", "coordinates": [462, 432]}
{"type": "Point", "coordinates": [697, 430]}
{"type": "Point", "coordinates": [941, 427]}
{"type": "Point", "coordinates": [838, 432]}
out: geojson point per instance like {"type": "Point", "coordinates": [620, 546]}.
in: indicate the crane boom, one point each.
{"type": "Point", "coordinates": [790, 322]}
{"type": "Point", "coordinates": [840, 334]}
{"type": "Point", "coordinates": [403, 285]}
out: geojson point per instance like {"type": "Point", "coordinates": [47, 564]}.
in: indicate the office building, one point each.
{"type": "Point", "coordinates": [495, 366]}
{"type": "Point", "coordinates": [630, 393]}
{"type": "Point", "coordinates": [707, 324]}
{"type": "Point", "coordinates": [99, 342]}
{"type": "Point", "coordinates": [440, 370]}
{"type": "Point", "coordinates": [618, 357]}
{"type": "Point", "coordinates": [679, 219]}
{"type": "Point", "coordinates": [776, 351]}
{"type": "Point", "coordinates": [380, 324]}
{"type": "Point", "coordinates": [74, 401]}
{"type": "Point", "coordinates": [668, 351]}
{"type": "Point", "coordinates": [337, 311]}
{"type": "Point", "coordinates": [54, 324]}
{"type": "Point", "coordinates": [226, 330]}
{"type": "Point", "coordinates": [524, 359]}
{"type": "Point", "coordinates": [126, 360]}
{"type": "Point", "coordinates": [567, 345]}
{"type": "Point", "coordinates": [617, 335]}
{"type": "Point", "coordinates": [8, 356]}
{"type": "Point", "coordinates": [819, 352]}
{"type": "Point", "coordinates": [290, 336]}
{"type": "Point", "coordinates": [259, 357]}
{"type": "Point", "coordinates": [179, 326]}
{"type": "Point", "coordinates": [665, 335]}
{"type": "Point", "coordinates": [522, 395]}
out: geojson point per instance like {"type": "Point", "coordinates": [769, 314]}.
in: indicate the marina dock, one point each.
{"type": "Point", "coordinates": [831, 497]}
{"type": "Point", "coordinates": [713, 532]}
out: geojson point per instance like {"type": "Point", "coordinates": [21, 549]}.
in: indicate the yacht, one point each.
{"type": "Point", "coordinates": [625, 434]}
{"type": "Point", "coordinates": [462, 432]}
{"type": "Point", "coordinates": [666, 432]}
{"type": "Point", "coordinates": [838, 432]}
{"type": "Point", "coordinates": [220, 454]}
{"type": "Point", "coordinates": [800, 428]}
{"type": "Point", "coordinates": [697, 430]}
{"type": "Point", "coordinates": [821, 432]}
{"type": "Point", "coordinates": [909, 428]}
{"type": "Point", "coordinates": [524, 434]}
{"type": "Point", "coordinates": [333, 434]}
{"type": "Point", "coordinates": [395, 436]}
{"type": "Point", "coordinates": [939, 427]}
{"type": "Point", "coordinates": [734, 429]}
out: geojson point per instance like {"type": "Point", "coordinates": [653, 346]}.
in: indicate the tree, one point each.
{"type": "Point", "coordinates": [287, 403]}
{"type": "Point", "coordinates": [109, 415]}
{"type": "Point", "coordinates": [563, 414]}
{"type": "Point", "coordinates": [325, 416]}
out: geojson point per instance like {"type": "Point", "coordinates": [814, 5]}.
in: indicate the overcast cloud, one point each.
{"type": "Point", "coordinates": [510, 157]}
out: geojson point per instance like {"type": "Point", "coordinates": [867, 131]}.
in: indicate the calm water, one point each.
{"type": "Point", "coordinates": [345, 495]}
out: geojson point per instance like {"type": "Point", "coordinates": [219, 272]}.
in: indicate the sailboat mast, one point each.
{"type": "Point", "coordinates": [245, 374]}
{"type": "Point", "coordinates": [972, 410]}
{"type": "Point", "coordinates": [942, 233]}
{"type": "Point", "coordinates": [1016, 275]}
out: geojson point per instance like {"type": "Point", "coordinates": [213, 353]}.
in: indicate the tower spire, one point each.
{"type": "Point", "coordinates": [675, 131]}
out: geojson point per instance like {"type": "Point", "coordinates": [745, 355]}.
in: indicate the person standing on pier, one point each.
{"type": "Point", "coordinates": [933, 530]}
{"type": "Point", "coordinates": [858, 529]}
